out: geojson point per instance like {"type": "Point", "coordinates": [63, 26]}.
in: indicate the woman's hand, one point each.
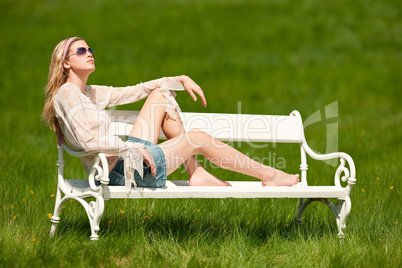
{"type": "Point", "coordinates": [192, 88]}
{"type": "Point", "coordinates": [149, 160]}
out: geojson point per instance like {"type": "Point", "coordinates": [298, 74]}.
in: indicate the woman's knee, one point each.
{"type": "Point", "coordinates": [197, 131]}
{"type": "Point", "coordinates": [156, 94]}
{"type": "Point", "coordinates": [156, 101]}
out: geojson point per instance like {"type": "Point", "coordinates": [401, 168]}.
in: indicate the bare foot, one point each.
{"type": "Point", "coordinates": [280, 178]}
{"type": "Point", "coordinates": [201, 177]}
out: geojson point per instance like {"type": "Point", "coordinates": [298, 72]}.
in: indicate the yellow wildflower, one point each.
{"type": "Point", "coordinates": [32, 192]}
{"type": "Point", "coordinates": [363, 190]}
{"type": "Point", "coordinates": [392, 187]}
{"type": "Point", "coordinates": [122, 211]}
{"type": "Point", "coordinates": [378, 179]}
{"type": "Point", "coordinates": [12, 206]}
{"type": "Point", "coordinates": [52, 195]}
{"type": "Point", "coordinates": [16, 216]}
{"type": "Point", "coordinates": [198, 210]}
{"type": "Point", "coordinates": [50, 215]}
{"type": "Point", "coordinates": [34, 239]}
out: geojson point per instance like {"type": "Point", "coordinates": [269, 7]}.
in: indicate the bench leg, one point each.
{"type": "Point", "coordinates": [343, 209]}
{"type": "Point", "coordinates": [57, 209]}
{"type": "Point", "coordinates": [340, 210]}
{"type": "Point", "coordinates": [94, 211]}
{"type": "Point", "coordinates": [302, 207]}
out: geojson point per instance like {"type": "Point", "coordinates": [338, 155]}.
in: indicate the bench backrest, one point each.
{"type": "Point", "coordinates": [227, 127]}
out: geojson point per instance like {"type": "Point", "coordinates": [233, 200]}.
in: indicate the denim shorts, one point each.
{"type": "Point", "coordinates": [116, 176]}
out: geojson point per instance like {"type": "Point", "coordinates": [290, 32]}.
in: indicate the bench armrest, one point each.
{"type": "Point", "coordinates": [99, 170]}
{"type": "Point", "coordinates": [349, 174]}
{"type": "Point", "coordinates": [71, 152]}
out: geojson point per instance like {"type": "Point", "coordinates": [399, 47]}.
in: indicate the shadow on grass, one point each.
{"type": "Point", "coordinates": [216, 225]}
{"type": "Point", "coordinates": [221, 229]}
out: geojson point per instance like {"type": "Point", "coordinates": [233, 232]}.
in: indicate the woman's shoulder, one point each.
{"type": "Point", "coordinates": [66, 91]}
{"type": "Point", "coordinates": [70, 87]}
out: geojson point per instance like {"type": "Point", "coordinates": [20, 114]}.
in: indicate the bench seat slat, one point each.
{"type": "Point", "coordinates": [239, 189]}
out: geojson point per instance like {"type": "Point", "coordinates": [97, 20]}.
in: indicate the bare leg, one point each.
{"type": "Point", "coordinates": [197, 174]}
{"type": "Point", "coordinates": [147, 127]}
{"type": "Point", "coordinates": [148, 123]}
{"type": "Point", "coordinates": [178, 149]}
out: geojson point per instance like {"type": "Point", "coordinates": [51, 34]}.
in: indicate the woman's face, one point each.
{"type": "Point", "coordinates": [78, 61]}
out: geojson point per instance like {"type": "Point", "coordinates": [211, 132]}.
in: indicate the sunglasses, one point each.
{"type": "Point", "coordinates": [81, 51]}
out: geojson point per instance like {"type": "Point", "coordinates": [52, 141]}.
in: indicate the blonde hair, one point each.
{"type": "Point", "coordinates": [57, 77]}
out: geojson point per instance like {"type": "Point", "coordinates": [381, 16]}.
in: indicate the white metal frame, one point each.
{"type": "Point", "coordinates": [288, 129]}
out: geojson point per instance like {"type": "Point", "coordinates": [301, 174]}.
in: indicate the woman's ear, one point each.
{"type": "Point", "coordinates": [66, 65]}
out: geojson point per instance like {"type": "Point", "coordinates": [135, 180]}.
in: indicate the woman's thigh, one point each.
{"type": "Point", "coordinates": [180, 148]}
{"type": "Point", "coordinates": [148, 123]}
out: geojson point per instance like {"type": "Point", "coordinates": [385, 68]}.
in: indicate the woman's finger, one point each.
{"type": "Point", "coordinates": [203, 100]}
{"type": "Point", "coordinates": [193, 96]}
{"type": "Point", "coordinates": [148, 159]}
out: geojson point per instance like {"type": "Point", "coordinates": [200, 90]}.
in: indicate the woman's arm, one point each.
{"type": "Point", "coordinates": [112, 96]}
{"type": "Point", "coordinates": [106, 96]}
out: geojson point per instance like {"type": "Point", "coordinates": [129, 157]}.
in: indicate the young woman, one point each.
{"type": "Point", "coordinates": [75, 111]}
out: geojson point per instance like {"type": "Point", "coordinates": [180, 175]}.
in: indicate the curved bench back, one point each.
{"type": "Point", "coordinates": [226, 127]}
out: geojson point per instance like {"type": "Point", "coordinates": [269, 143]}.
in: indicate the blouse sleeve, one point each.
{"type": "Point", "coordinates": [113, 96]}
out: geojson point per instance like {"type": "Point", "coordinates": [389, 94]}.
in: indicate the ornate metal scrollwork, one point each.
{"type": "Point", "coordinates": [99, 172]}
{"type": "Point", "coordinates": [91, 209]}
{"type": "Point", "coordinates": [341, 169]}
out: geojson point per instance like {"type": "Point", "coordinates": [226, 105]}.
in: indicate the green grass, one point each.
{"type": "Point", "coordinates": [273, 57]}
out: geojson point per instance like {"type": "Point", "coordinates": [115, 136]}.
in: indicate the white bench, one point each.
{"type": "Point", "coordinates": [226, 127]}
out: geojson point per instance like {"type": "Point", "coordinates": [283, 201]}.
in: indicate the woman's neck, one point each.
{"type": "Point", "coordinates": [79, 81]}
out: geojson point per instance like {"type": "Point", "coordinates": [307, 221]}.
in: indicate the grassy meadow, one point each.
{"type": "Point", "coordinates": [258, 57]}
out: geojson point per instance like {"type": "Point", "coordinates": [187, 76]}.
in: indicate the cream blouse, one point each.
{"type": "Point", "coordinates": [87, 127]}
